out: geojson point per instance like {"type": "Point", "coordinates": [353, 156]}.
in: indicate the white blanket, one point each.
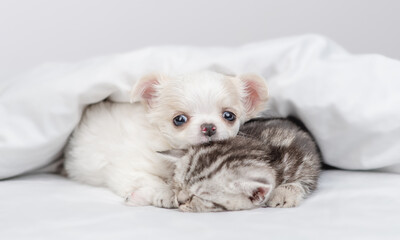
{"type": "Point", "coordinates": [350, 103]}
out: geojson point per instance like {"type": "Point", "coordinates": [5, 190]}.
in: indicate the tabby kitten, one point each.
{"type": "Point", "coordinates": [272, 162]}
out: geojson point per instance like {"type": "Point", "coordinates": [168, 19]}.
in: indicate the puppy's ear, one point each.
{"type": "Point", "coordinates": [255, 94]}
{"type": "Point", "coordinates": [147, 89]}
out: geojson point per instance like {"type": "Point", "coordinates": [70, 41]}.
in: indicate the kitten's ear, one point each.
{"type": "Point", "coordinates": [255, 94]}
{"type": "Point", "coordinates": [147, 89]}
{"type": "Point", "coordinates": [259, 194]}
{"type": "Point", "coordinates": [256, 191]}
{"type": "Point", "coordinates": [173, 155]}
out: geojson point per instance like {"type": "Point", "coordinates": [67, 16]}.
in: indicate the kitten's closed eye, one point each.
{"type": "Point", "coordinates": [204, 193]}
{"type": "Point", "coordinates": [197, 204]}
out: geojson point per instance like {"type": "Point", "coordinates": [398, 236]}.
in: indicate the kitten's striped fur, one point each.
{"type": "Point", "coordinates": [272, 162]}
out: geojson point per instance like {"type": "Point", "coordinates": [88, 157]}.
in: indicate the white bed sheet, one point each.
{"type": "Point", "coordinates": [347, 205]}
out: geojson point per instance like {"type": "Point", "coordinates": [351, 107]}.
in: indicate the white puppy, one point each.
{"type": "Point", "coordinates": [116, 144]}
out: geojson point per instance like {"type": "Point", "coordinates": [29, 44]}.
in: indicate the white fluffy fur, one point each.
{"type": "Point", "coordinates": [116, 144]}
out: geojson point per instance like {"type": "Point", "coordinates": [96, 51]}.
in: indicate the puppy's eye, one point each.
{"type": "Point", "coordinates": [180, 120]}
{"type": "Point", "coordinates": [230, 116]}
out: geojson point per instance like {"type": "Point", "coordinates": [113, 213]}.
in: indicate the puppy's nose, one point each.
{"type": "Point", "coordinates": [208, 129]}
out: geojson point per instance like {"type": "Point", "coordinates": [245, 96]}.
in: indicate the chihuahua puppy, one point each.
{"type": "Point", "coordinates": [115, 145]}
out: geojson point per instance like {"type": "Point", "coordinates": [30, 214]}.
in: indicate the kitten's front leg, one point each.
{"type": "Point", "coordinates": [286, 195]}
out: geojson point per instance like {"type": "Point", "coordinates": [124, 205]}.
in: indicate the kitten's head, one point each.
{"type": "Point", "coordinates": [205, 180]}
{"type": "Point", "coordinates": [200, 107]}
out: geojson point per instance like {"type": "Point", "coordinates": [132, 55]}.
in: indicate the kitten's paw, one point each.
{"type": "Point", "coordinates": [286, 196]}
{"type": "Point", "coordinates": [186, 208]}
{"type": "Point", "coordinates": [165, 198]}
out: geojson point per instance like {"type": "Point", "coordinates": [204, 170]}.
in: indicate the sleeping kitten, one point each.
{"type": "Point", "coordinates": [272, 162]}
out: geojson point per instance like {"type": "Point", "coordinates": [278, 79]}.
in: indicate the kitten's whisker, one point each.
{"type": "Point", "coordinates": [246, 135]}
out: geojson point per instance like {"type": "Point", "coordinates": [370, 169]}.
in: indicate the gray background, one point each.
{"type": "Point", "coordinates": [37, 31]}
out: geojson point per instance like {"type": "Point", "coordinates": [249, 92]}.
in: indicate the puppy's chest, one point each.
{"type": "Point", "coordinates": [132, 142]}
{"type": "Point", "coordinates": [137, 132]}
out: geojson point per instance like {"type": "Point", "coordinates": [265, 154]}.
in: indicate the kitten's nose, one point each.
{"type": "Point", "coordinates": [208, 129]}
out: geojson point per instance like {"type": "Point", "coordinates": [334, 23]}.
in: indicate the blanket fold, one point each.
{"type": "Point", "coordinates": [350, 103]}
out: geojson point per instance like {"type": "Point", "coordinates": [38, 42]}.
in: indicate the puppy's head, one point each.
{"type": "Point", "coordinates": [200, 107]}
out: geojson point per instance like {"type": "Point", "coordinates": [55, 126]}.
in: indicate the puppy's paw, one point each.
{"type": "Point", "coordinates": [286, 196]}
{"type": "Point", "coordinates": [140, 197]}
{"type": "Point", "coordinates": [159, 197]}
